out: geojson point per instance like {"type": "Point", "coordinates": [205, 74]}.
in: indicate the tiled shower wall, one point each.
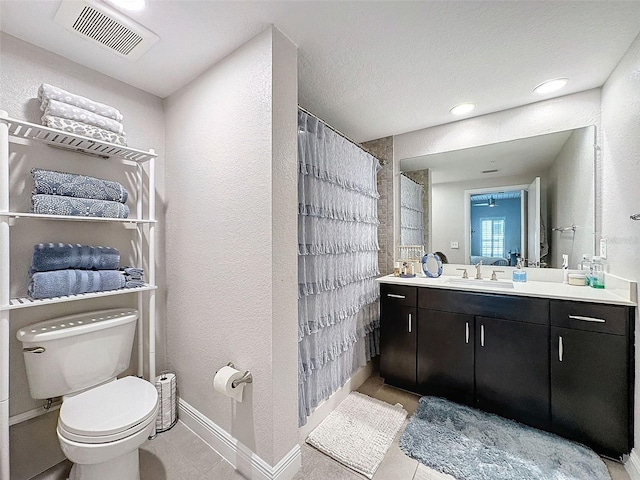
{"type": "Point", "coordinates": [382, 149]}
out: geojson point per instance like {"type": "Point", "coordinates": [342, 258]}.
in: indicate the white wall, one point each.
{"type": "Point", "coordinates": [24, 68]}
{"type": "Point", "coordinates": [232, 240]}
{"type": "Point", "coordinates": [554, 115]}
{"type": "Point", "coordinates": [620, 179]}
{"type": "Point", "coordinates": [571, 198]}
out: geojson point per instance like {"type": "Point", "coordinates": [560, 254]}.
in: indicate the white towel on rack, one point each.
{"type": "Point", "coordinates": [83, 129]}
{"type": "Point", "coordinates": [48, 92]}
{"type": "Point", "coordinates": [64, 110]}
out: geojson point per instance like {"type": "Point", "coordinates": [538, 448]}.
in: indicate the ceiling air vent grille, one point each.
{"type": "Point", "coordinates": [107, 31]}
{"type": "Point", "coordinates": [106, 27]}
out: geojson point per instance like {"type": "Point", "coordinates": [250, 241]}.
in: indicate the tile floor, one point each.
{"type": "Point", "coordinates": [180, 454]}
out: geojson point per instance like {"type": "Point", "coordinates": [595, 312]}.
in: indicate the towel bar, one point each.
{"type": "Point", "coordinates": [572, 228]}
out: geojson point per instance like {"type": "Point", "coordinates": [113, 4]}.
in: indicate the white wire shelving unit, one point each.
{"type": "Point", "coordinates": [24, 133]}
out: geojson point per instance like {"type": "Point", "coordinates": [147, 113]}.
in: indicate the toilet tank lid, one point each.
{"type": "Point", "coordinates": [77, 324]}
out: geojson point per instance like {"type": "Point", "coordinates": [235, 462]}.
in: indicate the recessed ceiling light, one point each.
{"type": "Point", "coordinates": [550, 86]}
{"type": "Point", "coordinates": [133, 5]}
{"type": "Point", "coordinates": [463, 108]}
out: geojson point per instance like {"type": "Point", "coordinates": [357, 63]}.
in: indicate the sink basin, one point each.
{"type": "Point", "coordinates": [472, 282]}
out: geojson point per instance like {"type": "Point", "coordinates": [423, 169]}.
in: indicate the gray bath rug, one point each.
{"type": "Point", "coordinates": [472, 445]}
{"type": "Point", "coordinates": [359, 432]}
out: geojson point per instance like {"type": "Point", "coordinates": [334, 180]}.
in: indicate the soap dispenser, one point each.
{"type": "Point", "coordinates": [597, 275]}
{"type": "Point", "coordinates": [519, 274]}
{"type": "Point", "coordinates": [585, 266]}
{"type": "Point", "coordinates": [565, 268]}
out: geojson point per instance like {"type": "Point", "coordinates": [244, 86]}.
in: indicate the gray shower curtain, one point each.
{"type": "Point", "coordinates": [411, 212]}
{"type": "Point", "coordinates": [338, 297]}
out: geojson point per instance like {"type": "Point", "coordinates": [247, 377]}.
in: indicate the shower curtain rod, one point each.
{"type": "Point", "coordinates": [380, 160]}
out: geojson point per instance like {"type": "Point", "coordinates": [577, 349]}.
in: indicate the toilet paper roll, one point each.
{"type": "Point", "coordinates": [223, 380]}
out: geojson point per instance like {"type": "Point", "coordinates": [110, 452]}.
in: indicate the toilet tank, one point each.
{"type": "Point", "coordinates": [69, 354]}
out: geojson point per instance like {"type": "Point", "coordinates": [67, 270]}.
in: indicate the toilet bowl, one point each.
{"type": "Point", "coordinates": [102, 421]}
{"type": "Point", "coordinates": [101, 429]}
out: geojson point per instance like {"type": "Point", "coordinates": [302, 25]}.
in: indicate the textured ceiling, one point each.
{"type": "Point", "coordinates": [530, 155]}
{"type": "Point", "coordinates": [370, 69]}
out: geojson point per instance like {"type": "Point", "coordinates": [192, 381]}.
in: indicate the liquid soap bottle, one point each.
{"type": "Point", "coordinates": [597, 274]}
{"type": "Point", "coordinates": [585, 266]}
{"type": "Point", "coordinates": [519, 274]}
{"type": "Point", "coordinates": [565, 268]}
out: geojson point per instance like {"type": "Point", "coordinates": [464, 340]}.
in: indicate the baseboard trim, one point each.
{"type": "Point", "coordinates": [633, 466]}
{"type": "Point", "coordinates": [236, 453]}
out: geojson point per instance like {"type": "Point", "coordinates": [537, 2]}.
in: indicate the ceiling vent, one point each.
{"type": "Point", "coordinates": [106, 27]}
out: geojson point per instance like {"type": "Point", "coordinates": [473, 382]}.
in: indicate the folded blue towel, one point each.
{"type": "Point", "coordinates": [59, 283]}
{"type": "Point", "coordinates": [79, 207]}
{"type": "Point", "coordinates": [134, 283]}
{"type": "Point", "coordinates": [133, 271]}
{"type": "Point", "coordinates": [59, 256]}
{"type": "Point", "coordinates": [49, 182]}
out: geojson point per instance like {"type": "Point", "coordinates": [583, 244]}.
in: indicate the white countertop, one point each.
{"type": "Point", "coordinates": [619, 294]}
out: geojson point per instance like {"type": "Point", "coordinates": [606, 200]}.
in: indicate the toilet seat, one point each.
{"type": "Point", "coordinates": [109, 412]}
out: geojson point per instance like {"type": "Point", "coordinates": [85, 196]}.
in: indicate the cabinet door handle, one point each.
{"type": "Point", "coordinates": [393, 295]}
{"type": "Point", "coordinates": [466, 332]}
{"type": "Point", "coordinates": [560, 349]}
{"type": "Point", "coordinates": [409, 323]}
{"type": "Point", "coordinates": [587, 319]}
{"type": "Point", "coordinates": [482, 335]}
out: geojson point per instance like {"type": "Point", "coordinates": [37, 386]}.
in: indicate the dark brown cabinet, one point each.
{"type": "Point", "coordinates": [591, 375]}
{"type": "Point", "coordinates": [512, 370]}
{"type": "Point", "coordinates": [509, 352]}
{"type": "Point", "coordinates": [445, 355]}
{"type": "Point", "coordinates": [398, 336]}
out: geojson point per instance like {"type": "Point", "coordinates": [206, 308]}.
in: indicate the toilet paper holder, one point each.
{"type": "Point", "coordinates": [246, 378]}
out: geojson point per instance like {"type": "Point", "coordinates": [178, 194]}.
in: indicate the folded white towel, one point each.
{"type": "Point", "coordinates": [83, 129]}
{"type": "Point", "coordinates": [48, 92]}
{"type": "Point", "coordinates": [64, 110]}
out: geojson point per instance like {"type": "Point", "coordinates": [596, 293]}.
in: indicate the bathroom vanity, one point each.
{"type": "Point", "coordinates": [554, 357]}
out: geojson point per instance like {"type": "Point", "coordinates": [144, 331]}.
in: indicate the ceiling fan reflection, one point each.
{"type": "Point", "coordinates": [490, 203]}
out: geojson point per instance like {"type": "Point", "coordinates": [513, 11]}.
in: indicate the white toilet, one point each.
{"type": "Point", "coordinates": [102, 420]}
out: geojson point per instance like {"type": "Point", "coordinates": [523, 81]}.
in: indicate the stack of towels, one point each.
{"type": "Point", "coordinates": [60, 269]}
{"type": "Point", "coordinates": [60, 193]}
{"type": "Point", "coordinates": [80, 115]}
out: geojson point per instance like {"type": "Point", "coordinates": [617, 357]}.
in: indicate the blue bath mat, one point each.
{"type": "Point", "coordinates": [472, 445]}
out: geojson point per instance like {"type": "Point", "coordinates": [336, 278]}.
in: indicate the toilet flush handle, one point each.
{"type": "Point", "coordinates": [33, 350]}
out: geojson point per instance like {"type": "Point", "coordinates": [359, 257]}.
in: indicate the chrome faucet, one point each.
{"type": "Point", "coordinates": [479, 270]}
{"type": "Point", "coordinates": [494, 276]}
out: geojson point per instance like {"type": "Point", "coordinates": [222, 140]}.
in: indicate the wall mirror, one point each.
{"type": "Point", "coordinates": [530, 198]}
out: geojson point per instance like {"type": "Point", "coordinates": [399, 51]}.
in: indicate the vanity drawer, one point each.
{"type": "Point", "coordinates": [508, 307]}
{"type": "Point", "coordinates": [593, 317]}
{"type": "Point", "coordinates": [398, 294]}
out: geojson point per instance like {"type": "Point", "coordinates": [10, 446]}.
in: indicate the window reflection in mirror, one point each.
{"type": "Point", "coordinates": [496, 227]}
